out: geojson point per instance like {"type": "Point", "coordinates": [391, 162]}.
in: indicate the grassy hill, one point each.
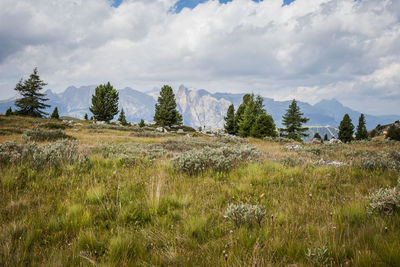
{"type": "Point", "coordinates": [119, 196]}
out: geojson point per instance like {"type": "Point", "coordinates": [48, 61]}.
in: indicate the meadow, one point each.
{"type": "Point", "coordinates": [80, 194]}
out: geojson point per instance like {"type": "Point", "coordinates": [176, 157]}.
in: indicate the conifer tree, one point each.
{"type": "Point", "coordinates": [393, 133]}
{"type": "Point", "coordinates": [293, 121]}
{"type": "Point", "coordinates": [248, 119]}
{"type": "Point", "coordinates": [141, 123]}
{"type": "Point", "coordinates": [326, 137]}
{"type": "Point", "coordinates": [55, 114]}
{"type": "Point", "coordinates": [240, 111]}
{"type": "Point", "coordinates": [86, 117]}
{"type": "Point", "coordinates": [9, 111]}
{"type": "Point", "coordinates": [317, 136]}
{"type": "Point", "coordinates": [104, 102]}
{"type": "Point", "coordinates": [122, 118]}
{"type": "Point", "coordinates": [32, 101]}
{"type": "Point", "coordinates": [166, 113]}
{"type": "Point", "coordinates": [346, 129]}
{"type": "Point", "coordinates": [263, 126]}
{"type": "Point", "coordinates": [230, 120]}
{"type": "Point", "coordinates": [361, 132]}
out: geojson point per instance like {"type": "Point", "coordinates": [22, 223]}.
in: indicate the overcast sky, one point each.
{"type": "Point", "coordinates": [305, 49]}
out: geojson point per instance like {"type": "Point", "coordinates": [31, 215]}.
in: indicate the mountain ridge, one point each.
{"type": "Point", "coordinates": [199, 107]}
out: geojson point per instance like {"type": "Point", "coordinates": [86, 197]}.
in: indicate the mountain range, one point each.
{"type": "Point", "coordinates": [199, 107]}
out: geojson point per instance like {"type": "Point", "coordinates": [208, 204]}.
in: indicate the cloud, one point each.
{"type": "Point", "coordinates": [310, 49]}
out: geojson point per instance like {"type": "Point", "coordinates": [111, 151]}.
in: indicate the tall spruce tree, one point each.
{"type": "Point", "coordinates": [317, 136]}
{"type": "Point", "coordinates": [361, 132]}
{"type": "Point", "coordinates": [293, 121]}
{"type": "Point", "coordinates": [9, 111]}
{"type": "Point", "coordinates": [55, 114]}
{"type": "Point", "coordinates": [248, 118]}
{"type": "Point", "coordinates": [230, 120]}
{"type": "Point", "coordinates": [326, 137]}
{"type": "Point", "coordinates": [346, 129]}
{"type": "Point", "coordinates": [240, 111]}
{"type": "Point", "coordinates": [86, 117]}
{"type": "Point", "coordinates": [263, 126]}
{"type": "Point", "coordinates": [122, 118]}
{"type": "Point", "coordinates": [166, 113]}
{"type": "Point", "coordinates": [32, 101]}
{"type": "Point", "coordinates": [105, 102]}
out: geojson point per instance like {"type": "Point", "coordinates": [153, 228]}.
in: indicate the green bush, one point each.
{"type": "Point", "coordinates": [385, 200]}
{"type": "Point", "coordinates": [217, 159]}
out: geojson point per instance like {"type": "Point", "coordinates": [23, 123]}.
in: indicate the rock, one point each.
{"type": "Point", "coordinates": [187, 135]}
{"type": "Point", "coordinates": [100, 122]}
{"type": "Point", "coordinates": [180, 131]}
{"type": "Point", "coordinates": [315, 141]}
{"type": "Point", "coordinates": [78, 124]}
{"type": "Point", "coordinates": [335, 141]}
{"type": "Point", "coordinates": [160, 129]}
{"type": "Point", "coordinates": [292, 147]}
{"type": "Point", "coordinates": [333, 163]}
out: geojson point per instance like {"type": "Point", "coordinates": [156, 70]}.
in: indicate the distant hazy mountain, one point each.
{"type": "Point", "coordinates": [200, 107]}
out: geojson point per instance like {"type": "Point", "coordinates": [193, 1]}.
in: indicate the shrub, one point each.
{"type": "Point", "coordinates": [279, 139]}
{"type": "Point", "coordinates": [50, 155]}
{"type": "Point", "coordinates": [54, 125]}
{"type": "Point", "coordinates": [218, 159]}
{"type": "Point", "coordinates": [241, 214]}
{"type": "Point", "coordinates": [318, 256]}
{"type": "Point", "coordinates": [373, 163]}
{"type": "Point", "coordinates": [385, 200]}
{"type": "Point", "coordinates": [39, 135]}
{"type": "Point", "coordinates": [291, 162]}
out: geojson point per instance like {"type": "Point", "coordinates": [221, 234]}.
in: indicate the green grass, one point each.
{"type": "Point", "coordinates": [113, 214]}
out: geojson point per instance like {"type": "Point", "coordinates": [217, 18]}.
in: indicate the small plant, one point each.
{"type": "Point", "coordinates": [291, 162]}
{"type": "Point", "coordinates": [241, 214]}
{"type": "Point", "coordinates": [318, 255]}
{"type": "Point", "coordinates": [385, 200]}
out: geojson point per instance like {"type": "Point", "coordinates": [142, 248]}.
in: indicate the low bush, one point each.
{"type": "Point", "coordinates": [279, 139]}
{"type": "Point", "coordinates": [385, 200]}
{"type": "Point", "coordinates": [217, 159]}
{"type": "Point", "coordinates": [241, 214]}
{"type": "Point", "coordinates": [39, 135]}
{"type": "Point", "coordinates": [49, 155]}
{"type": "Point", "coordinates": [54, 125]}
{"type": "Point", "coordinates": [292, 162]}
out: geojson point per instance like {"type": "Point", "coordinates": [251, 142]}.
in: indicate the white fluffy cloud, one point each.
{"type": "Point", "coordinates": [311, 49]}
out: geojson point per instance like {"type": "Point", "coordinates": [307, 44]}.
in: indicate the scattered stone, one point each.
{"type": "Point", "coordinates": [180, 131]}
{"type": "Point", "coordinates": [160, 129]}
{"type": "Point", "coordinates": [335, 141]}
{"type": "Point", "coordinates": [332, 163]}
{"type": "Point", "coordinates": [315, 141]}
{"type": "Point", "coordinates": [292, 147]}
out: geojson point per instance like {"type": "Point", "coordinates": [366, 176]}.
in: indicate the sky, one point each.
{"type": "Point", "coordinates": [304, 49]}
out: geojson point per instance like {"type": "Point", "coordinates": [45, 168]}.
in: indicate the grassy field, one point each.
{"type": "Point", "coordinates": [122, 200]}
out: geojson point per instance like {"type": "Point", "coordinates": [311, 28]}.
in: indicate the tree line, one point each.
{"type": "Point", "coordinates": [249, 120]}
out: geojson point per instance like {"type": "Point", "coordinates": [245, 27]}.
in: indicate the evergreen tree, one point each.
{"type": "Point", "coordinates": [166, 113]}
{"type": "Point", "coordinates": [105, 103]}
{"type": "Point", "coordinates": [361, 132]}
{"type": "Point", "coordinates": [141, 123]}
{"type": "Point", "coordinates": [263, 126]}
{"type": "Point", "coordinates": [230, 120]}
{"type": "Point", "coordinates": [86, 117]}
{"type": "Point", "coordinates": [240, 111]}
{"type": "Point", "coordinates": [55, 115]}
{"type": "Point", "coordinates": [317, 136]}
{"type": "Point", "coordinates": [293, 121]}
{"type": "Point", "coordinates": [32, 101]}
{"type": "Point", "coordinates": [9, 111]}
{"type": "Point", "coordinates": [346, 129]}
{"type": "Point", "coordinates": [122, 118]}
{"type": "Point", "coordinates": [393, 133]}
{"type": "Point", "coordinates": [326, 137]}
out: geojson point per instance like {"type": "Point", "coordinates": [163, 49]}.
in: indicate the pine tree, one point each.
{"type": "Point", "coordinates": [393, 133]}
{"type": "Point", "coordinates": [326, 137]}
{"type": "Point", "coordinates": [32, 101]}
{"type": "Point", "coordinates": [230, 120]}
{"type": "Point", "coordinates": [141, 123]}
{"type": "Point", "coordinates": [166, 113]}
{"type": "Point", "coordinates": [346, 129]}
{"type": "Point", "coordinates": [9, 111]}
{"type": "Point", "coordinates": [317, 136]}
{"type": "Point", "coordinates": [86, 117]}
{"type": "Point", "coordinates": [361, 132]}
{"type": "Point", "coordinates": [122, 118]}
{"type": "Point", "coordinates": [105, 103]}
{"type": "Point", "coordinates": [263, 126]}
{"type": "Point", "coordinates": [55, 114]}
{"type": "Point", "coordinates": [248, 118]}
{"type": "Point", "coordinates": [293, 121]}
{"type": "Point", "coordinates": [240, 111]}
